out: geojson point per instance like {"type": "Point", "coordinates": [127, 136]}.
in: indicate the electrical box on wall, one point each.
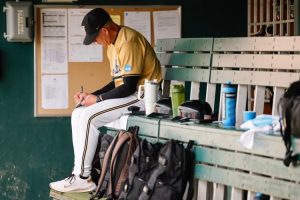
{"type": "Point", "coordinates": [19, 21]}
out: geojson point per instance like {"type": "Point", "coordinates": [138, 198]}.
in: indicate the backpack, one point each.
{"type": "Point", "coordinates": [115, 166]}
{"type": "Point", "coordinates": [289, 109]}
{"type": "Point", "coordinates": [166, 178]}
{"type": "Point", "coordinates": [144, 161]}
{"type": "Point", "coordinates": [104, 141]}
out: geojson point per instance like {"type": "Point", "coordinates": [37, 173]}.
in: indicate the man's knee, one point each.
{"type": "Point", "coordinates": [76, 113]}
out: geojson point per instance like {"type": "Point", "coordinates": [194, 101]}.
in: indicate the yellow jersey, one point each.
{"type": "Point", "coordinates": [132, 55]}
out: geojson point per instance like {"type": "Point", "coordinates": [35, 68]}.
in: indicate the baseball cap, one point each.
{"type": "Point", "coordinates": [93, 21]}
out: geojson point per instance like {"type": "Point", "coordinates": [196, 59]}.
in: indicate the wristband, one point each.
{"type": "Point", "coordinates": [98, 98]}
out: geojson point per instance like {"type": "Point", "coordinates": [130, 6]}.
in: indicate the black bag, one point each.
{"type": "Point", "coordinates": [289, 109]}
{"type": "Point", "coordinates": [144, 161]}
{"type": "Point", "coordinates": [116, 162]}
{"type": "Point", "coordinates": [166, 178]}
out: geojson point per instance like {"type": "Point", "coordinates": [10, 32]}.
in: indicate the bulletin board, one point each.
{"type": "Point", "coordinates": [90, 75]}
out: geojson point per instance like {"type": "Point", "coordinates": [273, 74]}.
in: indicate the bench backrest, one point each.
{"type": "Point", "coordinates": [260, 63]}
{"type": "Point", "coordinates": [262, 67]}
{"type": "Point", "coordinates": [185, 59]}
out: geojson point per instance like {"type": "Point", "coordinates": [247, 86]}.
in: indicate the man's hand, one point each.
{"type": "Point", "coordinates": [85, 99]}
{"type": "Point", "coordinates": [90, 99]}
{"type": "Point", "coordinates": [80, 96]}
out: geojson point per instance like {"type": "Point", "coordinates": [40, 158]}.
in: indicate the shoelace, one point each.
{"type": "Point", "coordinates": [71, 178]}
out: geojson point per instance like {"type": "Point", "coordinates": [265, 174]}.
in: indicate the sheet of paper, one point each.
{"type": "Point", "coordinates": [78, 52]}
{"type": "Point", "coordinates": [55, 91]}
{"type": "Point", "coordinates": [54, 41]}
{"type": "Point", "coordinates": [167, 24]}
{"type": "Point", "coordinates": [139, 21]}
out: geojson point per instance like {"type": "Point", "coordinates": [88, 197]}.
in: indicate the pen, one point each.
{"type": "Point", "coordinates": [79, 103]}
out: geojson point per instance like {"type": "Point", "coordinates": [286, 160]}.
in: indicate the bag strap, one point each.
{"type": "Point", "coordinates": [290, 157]}
{"type": "Point", "coordinates": [133, 170]}
{"type": "Point", "coordinates": [148, 188]}
{"type": "Point", "coordinates": [107, 139]}
{"type": "Point", "coordinates": [191, 164]}
{"type": "Point", "coordinates": [100, 191]}
{"type": "Point", "coordinates": [122, 139]}
{"type": "Point", "coordinates": [134, 167]}
{"type": "Point", "coordinates": [125, 172]}
{"type": "Point", "coordinates": [136, 130]}
{"type": "Point", "coordinates": [285, 107]}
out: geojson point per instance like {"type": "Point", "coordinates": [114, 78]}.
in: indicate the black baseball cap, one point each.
{"type": "Point", "coordinates": [93, 21]}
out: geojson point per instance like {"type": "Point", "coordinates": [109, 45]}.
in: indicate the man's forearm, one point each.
{"type": "Point", "coordinates": [128, 88]}
{"type": "Point", "coordinates": [106, 88]}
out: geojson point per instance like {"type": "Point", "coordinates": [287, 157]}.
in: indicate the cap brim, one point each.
{"type": "Point", "coordinates": [89, 39]}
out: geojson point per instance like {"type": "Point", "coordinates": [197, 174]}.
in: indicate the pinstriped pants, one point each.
{"type": "Point", "coordinates": [85, 122]}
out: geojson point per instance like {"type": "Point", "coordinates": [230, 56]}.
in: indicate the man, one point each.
{"type": "Point", "coordinates": [132, 60]}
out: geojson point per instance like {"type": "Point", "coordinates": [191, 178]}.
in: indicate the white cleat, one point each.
{"type": "Point", "coordinates": [74, 183]}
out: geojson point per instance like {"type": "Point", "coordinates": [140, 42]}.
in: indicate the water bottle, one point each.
{"type": "Point", "coordinates": [177, 97]}
{"type": "Point", "coordinates": [258, 196]}
{"type": "Point", "coordinates": [151, 92]}
{"type": "Point", "coordinates": [229, 104]}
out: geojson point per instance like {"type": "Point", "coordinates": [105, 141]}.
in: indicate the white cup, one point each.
{"type": "Point", "coordinates": [149, 94]}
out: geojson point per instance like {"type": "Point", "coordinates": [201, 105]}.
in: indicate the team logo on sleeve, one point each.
{"type": "Point", "coordinates": [127, 68]}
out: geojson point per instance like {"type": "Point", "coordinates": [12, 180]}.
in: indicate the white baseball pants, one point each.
{"type": "Point", "coordinates": [85, 123]}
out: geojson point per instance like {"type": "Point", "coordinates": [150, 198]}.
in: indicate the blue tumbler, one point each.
{"type": "Point", "coordinates": [229, 105]}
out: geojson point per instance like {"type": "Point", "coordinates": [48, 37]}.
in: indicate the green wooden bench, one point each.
{"type": "Point", "coordinates": [222, 161]}
{"type": "Point", "coordinates": [223, 168]}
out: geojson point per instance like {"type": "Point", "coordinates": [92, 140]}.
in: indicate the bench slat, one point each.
{"type": "Point", "coordinates": [257, 61]}
{"type": "Point", "coordinates": [278, 92]}
{"type": "Point", "coordinates": [248, 162]}
{"type": "Point", "coordinates": [236, 194]}
{"type": "Point", "coordinates": [233, 44]}
{"type": "Point", "coordinates": [147, 126]}
{"type": "Point", "coordinates": [210, 135]}
{"type": "Point", "coordinates": [210, 94]}
{"type": "Point", "coordinates": [195, 90]}
{"type": "Point", "coordinates": [259, 99]}
{"type": "Point", "coordinates": [241, 103]}
{"type": "Point", "coordinates": [279, 79]}
{"type": "Point", "coordinates": [184, 59]}
{"type": "Point", "coordinates": [251, 195]}
{"type": "Point", "coordinates": [257, 44]}
{"type": "Point", "coordinates": [284, 43]}
{"type": "Point", "coordinates": [243, 180]}
{"type": "Point", "coordinates": [186, 74]}
{"type": "Point", "coordinates": [218, 192]}
{"type": "Point", "coordinates": [202, 190]}
{"type": "Point", "coordinates": [184, 44]}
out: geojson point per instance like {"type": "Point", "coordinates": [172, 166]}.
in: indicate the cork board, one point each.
{"type": "Point", "coordinates": [91, 75]}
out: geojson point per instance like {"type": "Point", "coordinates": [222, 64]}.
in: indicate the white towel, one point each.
{"type": "Point", "coordinates": [268, 124]}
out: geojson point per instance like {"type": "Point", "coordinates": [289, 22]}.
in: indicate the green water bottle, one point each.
{"type": "Point", "coordinates": [177, 97]}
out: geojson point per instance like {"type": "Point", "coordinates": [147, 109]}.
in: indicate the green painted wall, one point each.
{"type": "Point", "coordinates": [36, 151]}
